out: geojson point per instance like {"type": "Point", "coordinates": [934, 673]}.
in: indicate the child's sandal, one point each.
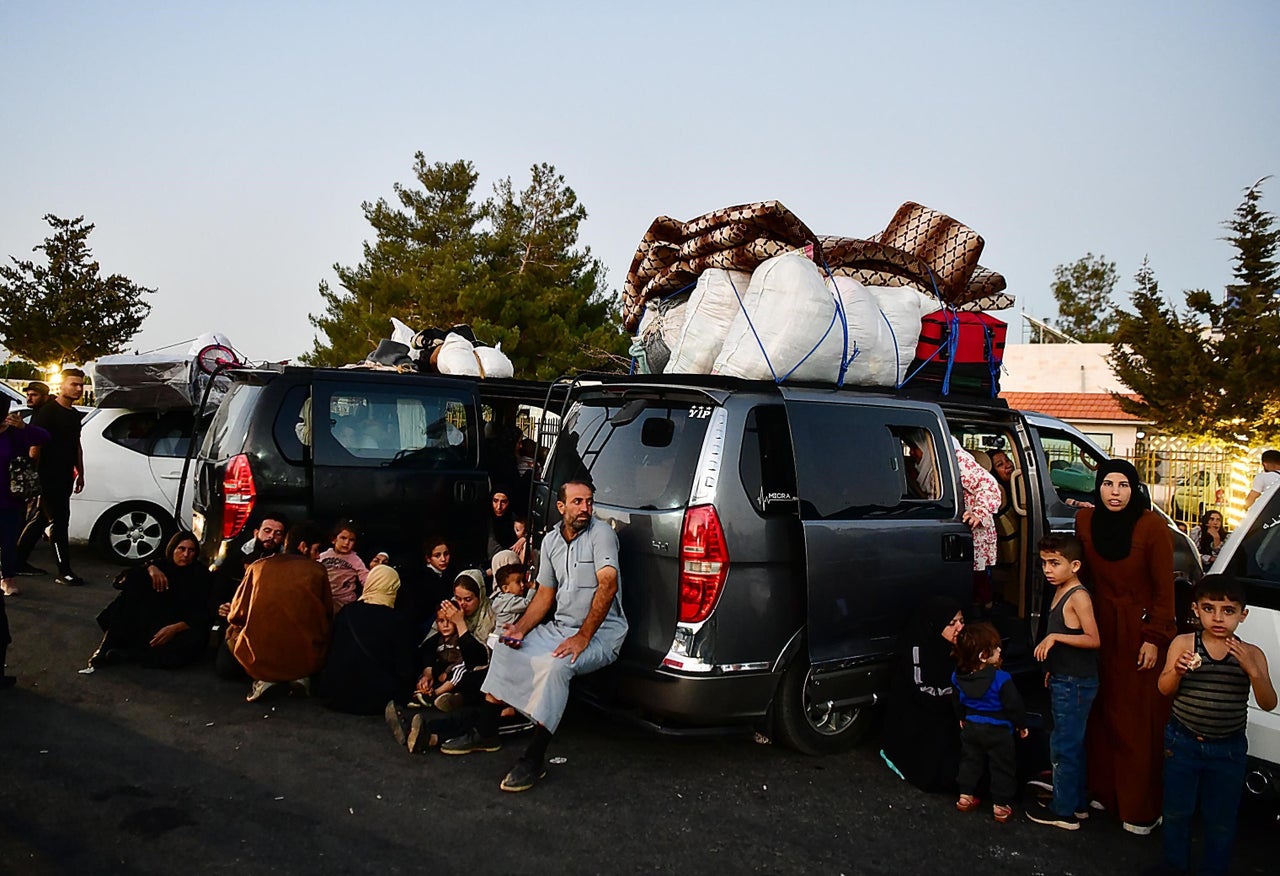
{"type": "Point", "coordinates": [967, 803]}
{"type": "Point", "coordinates": [1001, 813]}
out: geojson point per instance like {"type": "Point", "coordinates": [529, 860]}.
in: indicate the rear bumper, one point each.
{"type": "Point", "coordinates": [719, 699]}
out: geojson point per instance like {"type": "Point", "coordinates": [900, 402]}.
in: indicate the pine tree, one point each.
{"type": "Point", "coordinates": [65, 310]}
{"type": "Point", "coordinates": [1083, 292]}
{"type": "Point", "coordinates": [510, 267]}
{"type": "Point", "coordinates": [1212, 371]}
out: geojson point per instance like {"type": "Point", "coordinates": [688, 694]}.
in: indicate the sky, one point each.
{"type": "Point", "coordinates": [223, 150]}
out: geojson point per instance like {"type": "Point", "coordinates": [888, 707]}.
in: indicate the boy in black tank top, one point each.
{"type": "Point", "coordinates": [1069, 652]}
{"type": "Point", "coordinates": [1209, 674]}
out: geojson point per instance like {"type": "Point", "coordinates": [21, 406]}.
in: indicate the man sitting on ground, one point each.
{"type": "Point", "coordinates": [281, 618]}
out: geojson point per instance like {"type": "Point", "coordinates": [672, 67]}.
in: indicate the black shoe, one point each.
{"type": "Point", "coordinates": [394, 721]}
{"type": "Point", "coordinates": [524, 775]}
{"type": "Point", "coordinates": [470, 742]}
{"type": "Point", "coordinates": [7, 681]}
{"type": "Point", "coordinates": [1040, 813]}
{"type": "Point", "coordinates": [29, 569]}
{"type": "Point", "coordinates": [106, 657]}
{"type": "Point", "coordinates": [69, 580]}
{"type": "Point", "coordinates": [1141, 828]}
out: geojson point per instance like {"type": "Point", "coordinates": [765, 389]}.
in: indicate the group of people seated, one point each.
{"type": "Point", "coordinates": [299, 607]}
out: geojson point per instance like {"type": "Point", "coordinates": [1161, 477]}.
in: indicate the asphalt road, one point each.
{"type": "Point", "coordinates": [136, 771]}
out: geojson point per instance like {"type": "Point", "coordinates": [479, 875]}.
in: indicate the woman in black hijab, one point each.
{"type": "Point", "coordinates": [921, 735]}
{"type": "Point", "coordinates": [164, 628]}
{"type": "Point", "coordinates": [1128, 565]}
{"type": "Point", "coordinates": [502, 524]}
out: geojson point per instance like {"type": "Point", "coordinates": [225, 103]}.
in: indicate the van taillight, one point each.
{"type": "Point", "coordinates": [238, 493]}
{"type": "Point", "coordinates": [704, 563]}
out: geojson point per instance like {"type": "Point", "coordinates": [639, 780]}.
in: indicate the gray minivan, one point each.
{"type": "Point", "coordinates": [774, 539]}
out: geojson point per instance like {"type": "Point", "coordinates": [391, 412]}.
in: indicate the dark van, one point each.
{"type": "Point", "coordinates": [403, 455]}
{"type": "Point", "coordinates": [774, 539]}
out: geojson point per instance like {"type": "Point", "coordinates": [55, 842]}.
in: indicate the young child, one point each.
{"type": "Point", "coordinates": [1209, 674]}
{"type": "Point", "coordinates": [510, 598]}
{"type": "Point", "coordinates": [990, 710]}
{"type": "Point", "coordinates": [347, 572]}
{"type": "Point", "coordinates": [447, 666]}
{"type": "Point", "coordinates": [528, 557]}
{"type": "Point", "coordinates": [1069, 653]}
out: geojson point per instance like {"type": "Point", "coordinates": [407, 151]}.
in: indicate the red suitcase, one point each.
{"type": "Point", "coordinates": [978, 338]}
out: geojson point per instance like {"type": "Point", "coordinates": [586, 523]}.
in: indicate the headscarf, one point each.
{"type": "Point", "coordinates": [500, 559]}
{"type": "Point", "coordinates": [381, 586]}
{"type": "Point", "coordinates": [503, 528]}
{"type": "Point", "coordinates": [480, 623]}
{"type": "Point", "coordinates": [1112, 531]}
{"type": "Point", "coordinates": [924, 631]}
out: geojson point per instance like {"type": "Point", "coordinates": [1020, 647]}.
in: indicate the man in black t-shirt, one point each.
{"type": "Point", "coordinates": [60, 463]}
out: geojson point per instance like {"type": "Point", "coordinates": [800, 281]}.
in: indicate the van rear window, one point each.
{"type": "Point", "coordinates": [637, 453]}
{"type": "Point", "coordinates": [231, 423]}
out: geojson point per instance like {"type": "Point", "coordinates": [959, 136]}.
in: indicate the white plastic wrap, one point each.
{"type": "Point", "coordinates": [712, 307]}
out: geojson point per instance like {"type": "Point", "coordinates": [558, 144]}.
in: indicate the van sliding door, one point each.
{"type": "Point", "coordinates": [877, 485]}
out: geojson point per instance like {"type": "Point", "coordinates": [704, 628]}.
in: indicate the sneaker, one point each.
{"type": "Point", "coordinates": [447, 702]}
{"type": "Point", "coordinates": [29, 569]}
{"type": "Point", "coordinates": [106, 657]}
{"type": "Point", "coordinates": [300, 686]}
{"type": "Point", "coordinates": [419, 702]}
{"type": "Point", "coordinates": [524, 775]}
{"type": "Point", "coordinates": [470, 742]}
{"type": "Point", "coordinates": [258, 689]}
{"type": "Point", "coordinates": [419, 739]}
{"type": "Point", "coordinates": [1143, 828]}
{"type": "Point", "coordinates": [1096, 806]}
{"type": "Point", "coordinates": [69, 580]}
{"type": "Point", "coordinates": [1083, 815]}
{"type": "Point", "coordinates": [394, 721]}
{"type": "Point", "coordinates": [1042, 814]}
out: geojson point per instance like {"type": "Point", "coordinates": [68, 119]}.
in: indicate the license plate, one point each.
{"type": "Point", "coordinates": [197, 525]}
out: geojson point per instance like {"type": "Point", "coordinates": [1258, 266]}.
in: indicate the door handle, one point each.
{"type": "Point", "coordinates": [957, 547]}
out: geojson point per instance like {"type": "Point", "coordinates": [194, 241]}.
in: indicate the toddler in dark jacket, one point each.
{"type": "Point", "coordinates": [990, 710]}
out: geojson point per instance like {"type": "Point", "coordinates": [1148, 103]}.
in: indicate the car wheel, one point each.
{"type": "Point", "coordinates": [133, 532]}
{"type": "Point", "coordinates": [810, 724]}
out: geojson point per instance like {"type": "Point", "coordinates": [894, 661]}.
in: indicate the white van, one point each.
{"type": "Point", "coordinates": [1252, 556]}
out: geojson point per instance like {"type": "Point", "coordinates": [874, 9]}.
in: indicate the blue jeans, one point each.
{"type": "Point", "coordinates": [1212, 770]}
{"type": "Point", "coordinates": [1070, 697]}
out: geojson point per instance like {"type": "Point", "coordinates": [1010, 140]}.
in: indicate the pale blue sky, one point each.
{"type": "Point", "coordinates": [223, 149]}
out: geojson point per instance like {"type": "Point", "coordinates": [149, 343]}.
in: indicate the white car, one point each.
{"type": "Point", "coordinates": [133, 465]}
{"type": "Point", "coordinates": [1252, 555]}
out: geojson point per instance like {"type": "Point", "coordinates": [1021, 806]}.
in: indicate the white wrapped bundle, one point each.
{"type": "Point", "coordinates": [712, 307]}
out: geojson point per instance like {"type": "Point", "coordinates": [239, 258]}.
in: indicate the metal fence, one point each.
{"type": "Point", "coordinates": [1186, 480]}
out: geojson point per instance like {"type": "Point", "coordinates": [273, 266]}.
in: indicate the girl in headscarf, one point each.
{"type": "Point", "coordinates": [371, 658]}
{"type": "Point", "coordinates": [1129, 569]}
{"type": "Point", "coordinates": [921, 735]}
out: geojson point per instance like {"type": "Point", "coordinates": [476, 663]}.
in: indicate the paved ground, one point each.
{"type": "Point", "coordinates": [131, 771]}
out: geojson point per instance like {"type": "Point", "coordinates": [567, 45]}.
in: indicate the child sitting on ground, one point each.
{"type": "Point", "coordinates": [510, 598]}
{"type": "Point", "coordinates": [347, 572]}
{"type": "Point", "coordinates": [990, 710]}
{"type": "Point", "coordinates": [446, 669]}
{"type": "Point", "coordinates": [1070, 655]}
{"type": "Point", "coordinates": [1209, 675]}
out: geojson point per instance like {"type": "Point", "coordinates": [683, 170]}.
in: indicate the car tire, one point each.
{"type": "Point", "coordinates": [808, 726]}
{"type": "Point", "coordinates": [133, 532]}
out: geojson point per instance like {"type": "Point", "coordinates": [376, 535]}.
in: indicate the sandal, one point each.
{"type": "Point", "coordinates": [967, 803]}
{"type": "Point", "coordinates": [1001, 813]}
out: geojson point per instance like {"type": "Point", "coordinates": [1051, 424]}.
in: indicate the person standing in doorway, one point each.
{"type": "Point", "coordinates": [60, 463]}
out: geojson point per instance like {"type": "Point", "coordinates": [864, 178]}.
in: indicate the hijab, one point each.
{"type": "Point", "coordinates": [503, 528]}
{"type": "Point", "coordinates": [381, 586]}
{"type": "Point", "coordinates": [1112, 531]}
{"type": "Point", "coordinates": [480, 623]}
{"type": "Point", "coordinates": [924, 631]}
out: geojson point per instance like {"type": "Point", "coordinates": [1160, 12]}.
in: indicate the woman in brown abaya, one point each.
{"type": "Point", "coordinates": [1129, 569]}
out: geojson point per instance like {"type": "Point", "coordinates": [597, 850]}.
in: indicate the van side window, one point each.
{"type": "Point", "coordinates": [856, 461]}
{"type": "Point", "coordinates": [765, 464]}
{"type": "Point", "coordinates": [1072, 466]}
{"type": "Point", "coordinates": [387, 425]}
{"type": "Point", "coordinates": [289, 428]}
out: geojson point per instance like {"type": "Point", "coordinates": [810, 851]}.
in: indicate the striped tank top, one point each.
{"type": "Point", "coordinates": [1213, 700]}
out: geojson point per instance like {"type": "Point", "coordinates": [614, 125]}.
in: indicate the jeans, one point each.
{"type": "Point", "coordinates": [1070, 697]}
{"type": "Point", "coordinates": [1212, 770]}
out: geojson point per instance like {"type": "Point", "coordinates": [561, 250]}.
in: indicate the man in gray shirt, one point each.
{"type": "Point", "coordinates": [535, 661]}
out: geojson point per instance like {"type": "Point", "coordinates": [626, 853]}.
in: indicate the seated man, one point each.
{"type": "Point", "coordinates": [281, 617]}
{"type": "Point", "coordinates": [533, 665]}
